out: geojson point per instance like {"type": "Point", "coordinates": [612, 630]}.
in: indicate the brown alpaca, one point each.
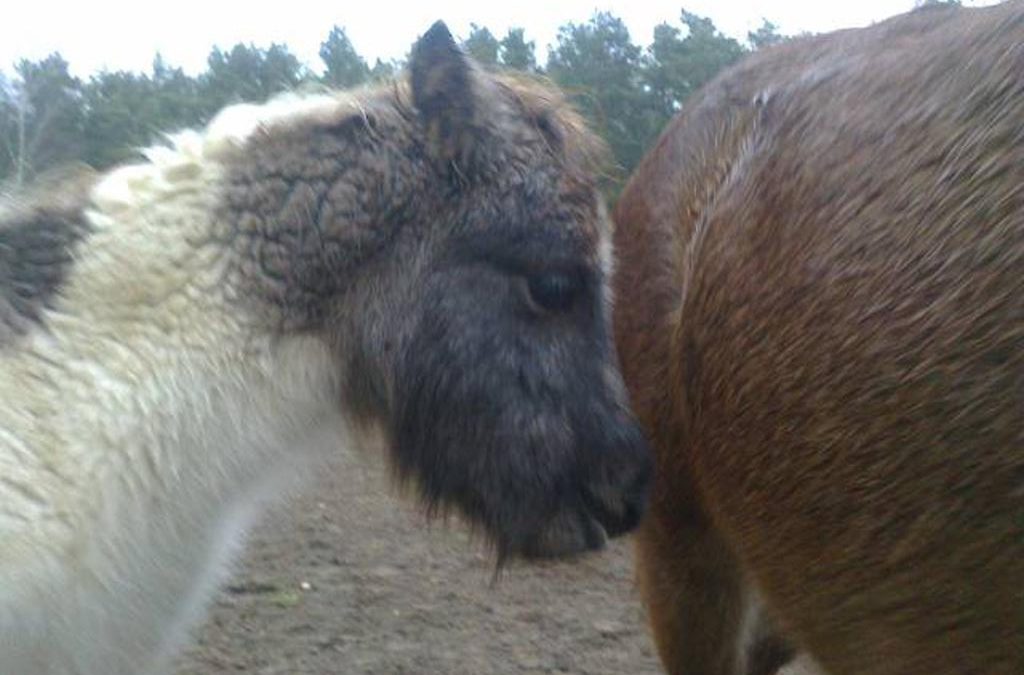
{"type": "Point", "coordinates": [820, 314]}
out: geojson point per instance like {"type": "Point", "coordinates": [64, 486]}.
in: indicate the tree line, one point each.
{"type": "Point", "coordinates": [627, 91]}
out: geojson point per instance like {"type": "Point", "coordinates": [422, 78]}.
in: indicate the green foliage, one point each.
{"type": "Point", "coordinates": [517, 52]}
{"type": "Point", "coordinates": [680, 61]}
{"type": "Point", "coordinates": [482, 45]}
{"type": "Point", "coordinates": [176, 99]}
{"type": "Point", "coordinates": [627, 92]}
{"type": "Point", "coordinates": [344, 66]}
{"type": "Point", "coordinates": [600, 67]}
{"type": "Point", "coordinates": [8, 127]}
{"type": "Point", "coordinates": [385, 70]}
{"type": "Point", "coordinates": [765, 36]}
{"type": "Point", "coordinates": [118, 117]}
{"type": "Point", "coordinates": [512, 51]}
{"type": "Point", "coordinates": [126, 111]}
{"type": "Point", "coordinates": [248, 73]}
{"type": "Point", "coordinates": [43, 117]}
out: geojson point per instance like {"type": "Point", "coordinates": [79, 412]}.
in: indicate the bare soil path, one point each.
{"type": "Point", "coordinates": [350, 579]}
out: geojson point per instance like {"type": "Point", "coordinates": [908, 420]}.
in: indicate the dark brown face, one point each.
{"type": "Point", "coordinates": [502, 394]}
{"type": "Point", "coordinates": [508, 402]}
{"type": "Point", "coordinates": [448, 239]}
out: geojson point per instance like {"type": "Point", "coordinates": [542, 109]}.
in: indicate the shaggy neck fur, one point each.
{"type": "Point", "coordinates": [143, 424]}
{"type": "Point", "coordinates": [226, 309]}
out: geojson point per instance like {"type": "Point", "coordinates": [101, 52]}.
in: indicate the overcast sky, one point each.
{"type": "Point", "coordinates": [118, 34]}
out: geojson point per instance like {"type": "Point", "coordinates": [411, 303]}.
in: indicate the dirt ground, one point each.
{"type": "Point", "coordinates": [351, 579]}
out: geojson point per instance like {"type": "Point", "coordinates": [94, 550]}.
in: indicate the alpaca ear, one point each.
{"type": "Point", "coordinates": [445, 92]}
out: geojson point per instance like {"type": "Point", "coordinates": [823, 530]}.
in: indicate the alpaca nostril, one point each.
{"type": "Point", "coordinates": [634, 503]}
{"type": "Point", "coordinates": [618, 500]}
{"type": "Point", "coordinates": [618, 508]}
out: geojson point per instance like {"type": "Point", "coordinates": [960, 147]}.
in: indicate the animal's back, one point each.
{"type": "Point", "coordinates": [837, 228]}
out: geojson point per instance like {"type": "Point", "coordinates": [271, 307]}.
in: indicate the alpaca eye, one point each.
{"type": "Point", "coordinates": [555, 291]}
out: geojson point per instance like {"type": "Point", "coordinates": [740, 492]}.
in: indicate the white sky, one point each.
{"type": "Point", "coordinates": [118, 34]}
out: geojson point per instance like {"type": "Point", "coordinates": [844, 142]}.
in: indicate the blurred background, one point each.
{"type": "Point", "coordinates": [349, 578]}
{"type": "Point", "coordinates": [95, 81]}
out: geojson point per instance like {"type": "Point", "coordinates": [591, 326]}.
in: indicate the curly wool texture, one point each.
{"type": "Point", "coordinates": [183, 338]}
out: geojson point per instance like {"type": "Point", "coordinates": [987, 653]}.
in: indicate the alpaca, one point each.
{"type": "Point", "coordinates": [421, 267]}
